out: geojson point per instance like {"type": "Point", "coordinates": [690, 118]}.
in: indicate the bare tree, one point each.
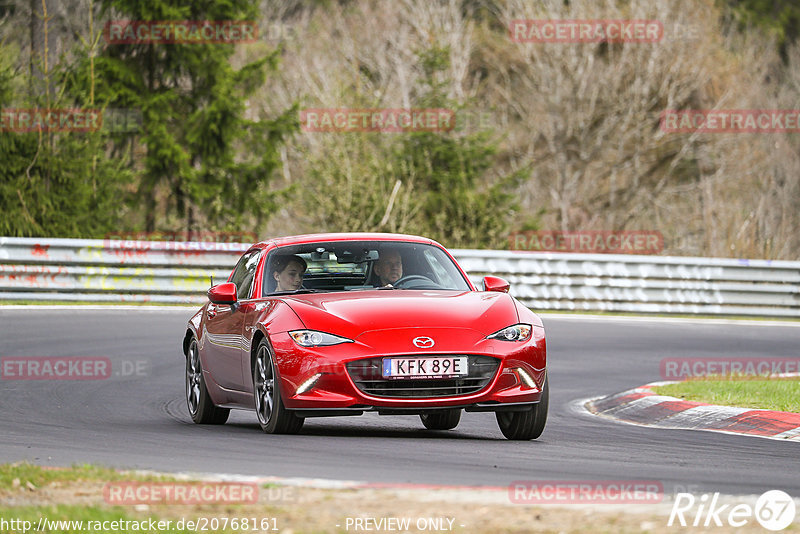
{"type": "Point", "coordinates": [582, 117]}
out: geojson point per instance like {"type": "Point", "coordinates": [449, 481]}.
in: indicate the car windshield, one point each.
{"type": "Point", "coordinates": [360, 266]}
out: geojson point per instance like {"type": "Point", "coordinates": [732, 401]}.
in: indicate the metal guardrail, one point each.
{"type": "Point", "coordinates": [643, 284]}
{"type": "Point", "coordinates": [176, 272]}
{"type": "Point", "coordinates": [111, 270]}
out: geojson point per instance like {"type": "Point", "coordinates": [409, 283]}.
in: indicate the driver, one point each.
{"type": "Point", "coordinates": [389, 267]}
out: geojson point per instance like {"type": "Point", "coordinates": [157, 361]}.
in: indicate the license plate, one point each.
{"type": "Point", "coordinates": [433, 367]}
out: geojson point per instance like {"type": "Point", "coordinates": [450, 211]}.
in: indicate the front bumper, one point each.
{"type": "Point", "coordinates": [335, 391]}
{"type": "Point", "coordinates": [383, 410]}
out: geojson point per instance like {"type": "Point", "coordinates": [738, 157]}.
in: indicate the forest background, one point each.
{"type": "Point", "coordinates": [202, 138]}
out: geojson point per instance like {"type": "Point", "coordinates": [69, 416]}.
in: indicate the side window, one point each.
{"type": "Point", "coordinates": [244, 273]}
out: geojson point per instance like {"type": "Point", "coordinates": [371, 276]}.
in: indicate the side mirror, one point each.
{"type": "Point", "coordinates": [223, 293]}
{"type": "Point", "coordinates": [493, 283]}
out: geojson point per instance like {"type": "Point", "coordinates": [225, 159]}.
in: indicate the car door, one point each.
{"type": "Point", "coordinates": [225, 327]}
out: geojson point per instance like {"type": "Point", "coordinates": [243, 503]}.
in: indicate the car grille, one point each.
{"type": "Point", "coordinates": [366, 375]}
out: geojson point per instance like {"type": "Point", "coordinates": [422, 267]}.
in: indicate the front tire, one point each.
{"type": "Point", "coordinates": [201, 407]}
{"type": "Point", "coordinates": [528, 424]}
{"type": "Point", "coordinates": [441, 419]}
{"type": "Point", "coordinates": [273, 416]}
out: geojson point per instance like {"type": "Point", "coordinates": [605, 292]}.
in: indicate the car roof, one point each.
{"type": "Point", "coordinates": [342, 236]}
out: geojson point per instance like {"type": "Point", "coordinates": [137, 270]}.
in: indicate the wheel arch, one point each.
{"type": "Point", "coordinates": [187, 338]}
{"type": "Point", "coordinates": [257, 338]}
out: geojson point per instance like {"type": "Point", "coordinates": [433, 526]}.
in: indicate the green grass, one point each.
{"type": "Point", "coordinates": [24, 472]}
{"type": "Point", "coordinates": [782, 394]}
{"type": "Point", "coordinates": [19, 475]}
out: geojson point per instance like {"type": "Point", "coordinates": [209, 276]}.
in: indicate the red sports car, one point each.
{"type": "Point", "coordinates": [340, 324]}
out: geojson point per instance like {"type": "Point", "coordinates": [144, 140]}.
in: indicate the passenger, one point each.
{"type": "Point", "coordinates": [288, 272]}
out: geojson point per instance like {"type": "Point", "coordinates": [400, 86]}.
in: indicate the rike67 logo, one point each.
{"type": "Point", "coordinates": [774, 510]}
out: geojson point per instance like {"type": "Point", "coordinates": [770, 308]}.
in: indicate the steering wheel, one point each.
{"type": "Point", "coordinates": [425, 281]}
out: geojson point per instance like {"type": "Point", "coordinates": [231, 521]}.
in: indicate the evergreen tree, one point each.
{"type": "Point", "coordinates": [461, 206]}
{"type": "Point", "coordinates": [56, 184]}
{"type": "Point", "coordinates": [780, 18]}
{"type": "Point", "coordinates": [201, 153]}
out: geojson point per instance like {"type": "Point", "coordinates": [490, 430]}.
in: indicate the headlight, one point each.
{"type": "Point", "coordinates": [312, 338]}
{"type": "Point", "coordinates": [517, 332]}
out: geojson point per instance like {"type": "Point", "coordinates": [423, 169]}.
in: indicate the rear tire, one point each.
{"type": "Point", "coordinates": [201, 407]}
{"type": "Point", "coordinates": [273, 416]}
{"type": "Point", "coordinates": [528, 424]}
{"type": "Point", "coordinates": [441, 419]}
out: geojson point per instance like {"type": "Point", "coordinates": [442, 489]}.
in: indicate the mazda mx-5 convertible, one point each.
{"type": "Point", "coordinates": [342, 324]}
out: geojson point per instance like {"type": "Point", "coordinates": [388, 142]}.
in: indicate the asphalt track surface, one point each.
{"type": "Point", "coordinates": [142, 422]}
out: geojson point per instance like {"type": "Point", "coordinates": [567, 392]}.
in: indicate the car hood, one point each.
{"type": "Point", "coordinates": [350, 314]}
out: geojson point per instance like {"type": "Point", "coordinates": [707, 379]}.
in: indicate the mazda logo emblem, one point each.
{"type": "Point", "coordinates": [423, 342]}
